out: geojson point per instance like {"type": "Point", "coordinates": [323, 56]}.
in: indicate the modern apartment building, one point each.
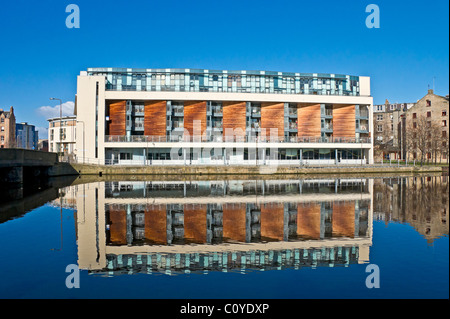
{"type": "Point", "coordinates": [7, 128]}
{"type": "Point", "coordinates": [26, 136]}
{"type": "Point", "coordinates": [191, 116]}
{"type": "Point", "coordinates": [62, 135]}
{"type": "Point", "coordinates": [207, 226]}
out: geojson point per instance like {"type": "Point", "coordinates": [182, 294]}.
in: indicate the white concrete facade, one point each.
{"type": "Point", "coordinates": [91, 146]}
{"type": "Point", "coordinates": [62, 137]}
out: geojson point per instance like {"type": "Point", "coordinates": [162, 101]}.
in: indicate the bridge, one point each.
{"type": "Point", "coordinates": [20, 166]}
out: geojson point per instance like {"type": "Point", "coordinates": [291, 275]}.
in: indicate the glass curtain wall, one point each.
{"type": "Point", "coordinates": [186, 80]}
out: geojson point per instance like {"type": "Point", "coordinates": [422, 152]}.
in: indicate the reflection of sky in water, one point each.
{"type": "Point", "coordinates": [275, 239]}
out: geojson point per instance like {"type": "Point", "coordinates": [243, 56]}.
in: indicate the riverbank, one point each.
{"type": "Point", "coordinates": [199, 170]}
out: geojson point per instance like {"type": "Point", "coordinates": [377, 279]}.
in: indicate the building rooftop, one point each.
{"type": "Point", "coordinates": [67, 117]}
{"type": "Point", "coordinates": [7, 114]}
{"type": "Point", "coordinates": [202, 80]}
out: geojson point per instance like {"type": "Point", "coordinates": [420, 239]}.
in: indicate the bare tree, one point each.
{"type": "Point", "coordinates": [436, 140]}
{"type": "Point", "coordinates": [418, 136]}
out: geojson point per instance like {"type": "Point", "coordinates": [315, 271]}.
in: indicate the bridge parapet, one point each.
{"type": "Point", "coordinates": [13, 157]}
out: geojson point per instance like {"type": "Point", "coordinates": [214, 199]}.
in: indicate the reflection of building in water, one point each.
{"type": "Point", "coordinates": [67, 197]}
{"type": "Point", "coordinates": [223, 225]}
{"type": "Point", "coordinates": [421, 201]}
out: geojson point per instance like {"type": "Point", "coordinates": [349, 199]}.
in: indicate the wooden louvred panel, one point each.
{"type": "Point", "coordinates": [155, 118]}
{"type": "Point", "coordinates": [344, 121]}
{"type": "Point", "coordinates": [117, 118]}
{"type": "Point", "coordinates": [272, 117]}
{"type": "Point", "coordinates": [308, 220]}
{"type": "Point", "coordinates": [234, 221]}
{"type": "Point", "coordinates": [195, 111]}
{"type": "Point", "coordinates": [195, 223]}
{"type": "Point", "coordinates": [272, 221]}
{"type": "Point", "coordinates": [118, 226]}
{"type": "Point", "coordinates": [343, 219]}
{"type": "Point", "coordinates": [308, 116]}
{"type": "Point", "coordinates": [156, 224]}
{"type": "Point", "coordinates": [234, 121]}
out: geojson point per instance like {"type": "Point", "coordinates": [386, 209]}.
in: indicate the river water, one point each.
{"type": "Point", "coordinates": [277, 239]}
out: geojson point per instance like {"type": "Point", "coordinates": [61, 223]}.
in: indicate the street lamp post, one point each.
{"type": "Point", "coordinates": [60, 124]}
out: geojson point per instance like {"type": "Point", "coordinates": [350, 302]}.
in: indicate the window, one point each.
{"type": "Point", "coordinates": [444, 113]}
{"type": "Point", "coordinates": [428, 103]}
{"type": "Point", "coordinates": [2, 129]}
{"type": "Point", "coordinates": [414, 115]}
{"type": "Point", "coordinates": [379, 117]}
{"type": "Point", "coordinates": [125, 156]}
{"type": "Point", "coordinates": [2, 138]}
{"type": "Point", "coordinates": [2, 120]}
{"type": "Point", "coordinates": [379, 128]}
{"type": "Point", "coordinates": [428, 114]}
{"type": "Point", "coordinates": [444, 134]}
{"type": "Point", "coordinates": [415, 125]}
{"type": "Point", "coordinates": [444, 123]}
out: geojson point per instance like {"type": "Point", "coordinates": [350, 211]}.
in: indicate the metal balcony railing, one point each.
{"type": "Point", "coordinates": [241, 139]}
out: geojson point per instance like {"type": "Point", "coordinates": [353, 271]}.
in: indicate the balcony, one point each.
{"type": "Point", "coordinates": [363, 114]}
{"type": "Point", "coordinates": [178, 111]}
{"type": "Point", "coordinates": [241, 139]}
{"type": "Point", "coordinates": [362, 128]}
{"type": "Point", "coordinates": [327, 127]}
{"type": "Point", "coordinates": [178, 124]}
{"type": "Point", "coordinates": [256, 112]}
{"type": "Point", "coordinates": [327, 113]}
{"type": "Point", "coordinates": [217, 110]}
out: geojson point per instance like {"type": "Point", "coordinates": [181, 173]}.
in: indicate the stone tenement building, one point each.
{"type": "Point", "coordinates": [386, 118]}
{"type": "Point", "coordinates": [7, 128]}
{"type": "Point", "coordinates": [435, 109]}
{"type": "Point", "coordinates": [391, 122]}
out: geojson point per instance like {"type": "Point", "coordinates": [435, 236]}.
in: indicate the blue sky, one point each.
{"type": "Point", "coordinates": [40, 57]}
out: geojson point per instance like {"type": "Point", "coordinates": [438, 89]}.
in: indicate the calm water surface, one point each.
{"type": "Point", "coordinates": [310, 238]}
